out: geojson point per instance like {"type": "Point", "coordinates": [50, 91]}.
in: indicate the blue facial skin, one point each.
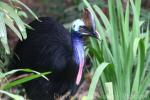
{"type": "Point", "coordinates": [78, 46]}
{"type": "Point", "coordinates": [78, 53]}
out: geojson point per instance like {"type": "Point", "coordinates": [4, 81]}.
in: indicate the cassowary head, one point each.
{"type": "Point", "coordinates": [85, 26]}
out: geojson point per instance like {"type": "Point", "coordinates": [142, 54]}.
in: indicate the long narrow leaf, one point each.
{"type": "Point", "coordinates": [109, 88]}
{"type": "Point", "coordinates": [23, 80]}
{"type": "Point", "coordinates": [95, 79]}
{"type": "Point", "coordinates": [3, 33]}
{"type": "Point", "coordinates": [28, 9]}
{"type": "Point", "coordinates": [11, 12]}
{"type": "Point", "coordinates": [15, 97]}
{"type": "Point", "coordinates": [10, 24]}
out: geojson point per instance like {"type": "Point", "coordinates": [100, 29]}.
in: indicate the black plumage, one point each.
{"type": "Point", "coordinates": [47, 48]}
{"type": "Point", "coordinates": [50, 47]}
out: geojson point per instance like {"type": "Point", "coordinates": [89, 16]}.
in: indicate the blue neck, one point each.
{"type": "Point", "coordinates": [78, 48]}
{"type": "Point", "coordinates": [78, 54]}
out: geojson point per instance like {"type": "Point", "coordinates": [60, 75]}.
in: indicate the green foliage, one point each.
{"type": "Point", "coordinates": [11, 16]}
{"type": "Point", "coordinates": [15, 97]}
{"type": "Point", "coordinates": [19, 81]}
{"type": "Point", "coordinates": [125, 47]}
{"type": "Point", "coordinates": [24, 79]}
{"type": "Point", "coordinates": [95, 79]}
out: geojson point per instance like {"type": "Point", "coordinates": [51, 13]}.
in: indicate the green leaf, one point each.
{"type": "Point", "coordinates": [144, 85]}
{"type": "Point", "coordinates": [15, 97]}
{"type": "Point", "coordinates": [95, 79]}
{"type": "Point", "coordinates": [22, 13]}
{"type": "Point", "coordinates": [11, 12]}
{"type": "Point", "coordinates": [135, 27]}
{"type": "Point", "coordinates": [126, 27]}
{"type": "Point", "coordinates": [103, 17]}
{"type": "Point", "coordinates": [28, 9]}
{"type": "Point", "coordinates": [3, 33]}
{"type": "Point", "coordinates": [2, 75]}
{"type": "Point", "coordinates": [23, 80]}
{"type": "Point", "coordinates": [109, 91]}
{"type": "Point", "coordinates": [135, 46]}
{"type": "Point", "coordinates": [10, 23]}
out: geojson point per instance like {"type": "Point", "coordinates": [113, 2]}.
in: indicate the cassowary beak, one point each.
{"type": "Point", "coordinates": [90, 25]}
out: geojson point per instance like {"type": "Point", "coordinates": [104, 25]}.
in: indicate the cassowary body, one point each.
{"type": "Point", "coordinates": [50, 47]}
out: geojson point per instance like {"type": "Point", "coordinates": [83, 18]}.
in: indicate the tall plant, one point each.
{"type": "Point", "coordinates": [11, 16]}
{"type": "Point", "coordinates": [121, 55]}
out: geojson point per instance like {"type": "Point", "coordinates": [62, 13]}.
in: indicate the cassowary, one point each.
{"type": "Point", "coordinates": [50, 47]}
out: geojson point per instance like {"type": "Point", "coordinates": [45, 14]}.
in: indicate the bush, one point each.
{"type": "Point", "coordinates": [122, 54]}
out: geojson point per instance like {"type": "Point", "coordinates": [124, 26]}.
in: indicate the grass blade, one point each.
{"type": "Point", "coordinates": [11, 12]}
{"type": "Point", "coordinates": [109, 91]}
{"type": "Point", "coordinates": [28, 9]}
{"type": "Point", "coordinates": [95, 79]}
{"type": "Point", "coordinates": [3, 33]}
{"type": "Point", "coordinates": [9, 22]}
{"type": "Point", "coordinates": [15, 97]}
{"type": "Point", "coordinates": [23, 80]}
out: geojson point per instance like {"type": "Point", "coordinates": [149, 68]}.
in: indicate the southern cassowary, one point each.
{"type": "Point", "coordinates": [50, 47]}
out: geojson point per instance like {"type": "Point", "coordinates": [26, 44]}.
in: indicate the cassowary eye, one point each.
{"type": "Point", "coordinates": [84, 29]}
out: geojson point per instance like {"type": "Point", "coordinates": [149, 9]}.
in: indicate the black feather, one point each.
{"type": "Point", "coordinates": [47, 48]}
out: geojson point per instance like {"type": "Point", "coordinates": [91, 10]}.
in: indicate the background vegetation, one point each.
{"type": "Point", "coordinates": [122, 53]}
